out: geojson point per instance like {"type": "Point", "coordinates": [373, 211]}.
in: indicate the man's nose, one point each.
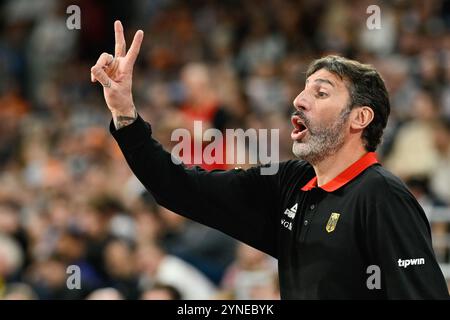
{"type": "Point", "coordinates": [301, 102]}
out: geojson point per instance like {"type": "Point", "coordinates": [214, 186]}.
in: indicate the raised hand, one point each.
{"type": "Point", "coordinates": [115, 73]}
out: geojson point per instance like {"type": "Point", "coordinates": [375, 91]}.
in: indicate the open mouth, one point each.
{"type": "Point", "coordinates": [300, 128]}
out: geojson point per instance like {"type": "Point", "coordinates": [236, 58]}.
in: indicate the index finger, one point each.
{"type": "Point", "coordinates": [135, 47]}
{"type": "Point", "coordinates": [120, 48]}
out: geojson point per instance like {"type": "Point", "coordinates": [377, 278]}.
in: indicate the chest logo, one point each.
{"type": "Point", "coordinates": [291, 212]}
{"type": "Point", "coordinates": [332, 222]}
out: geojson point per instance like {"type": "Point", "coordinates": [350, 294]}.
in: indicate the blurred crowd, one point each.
{"type": "Point", "coordinates": [67, 196]}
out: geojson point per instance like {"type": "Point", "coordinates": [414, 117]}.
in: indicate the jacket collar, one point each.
{"type": "Point", "coordinates": [345, 176]}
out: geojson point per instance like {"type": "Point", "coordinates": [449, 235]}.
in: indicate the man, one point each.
{"type": "Point", "coordinates": [339, 224]}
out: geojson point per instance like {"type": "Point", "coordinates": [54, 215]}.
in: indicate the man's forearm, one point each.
{"type": "Point", "coordinates": [124, 119]}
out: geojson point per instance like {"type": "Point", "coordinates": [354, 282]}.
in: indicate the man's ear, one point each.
{"type": "Point", "coordinates": [361, 117]}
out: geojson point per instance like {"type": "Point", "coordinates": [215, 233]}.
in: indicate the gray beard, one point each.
{"type": "Point", "coordinates": [322, 142]}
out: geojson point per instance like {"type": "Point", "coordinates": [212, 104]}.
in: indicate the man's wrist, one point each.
{"type": "Point", "coordinates": [123, 119]}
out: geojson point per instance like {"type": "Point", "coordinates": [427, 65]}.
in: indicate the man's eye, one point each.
{"type": "Point", "coordinates": [321, 94]}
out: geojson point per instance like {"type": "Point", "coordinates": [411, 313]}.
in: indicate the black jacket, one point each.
{"type": "Point", "coordinates": [329, 244]}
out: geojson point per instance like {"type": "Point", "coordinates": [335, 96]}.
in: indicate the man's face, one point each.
{"type": "Point", "coordinates": [321, 117]}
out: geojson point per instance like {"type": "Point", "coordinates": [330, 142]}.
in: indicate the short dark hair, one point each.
{"type": "Point", "coordinates": [366, 88]}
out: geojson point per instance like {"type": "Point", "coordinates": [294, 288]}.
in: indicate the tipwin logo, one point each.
{"type": "Point", "coordinates": [410, 262]}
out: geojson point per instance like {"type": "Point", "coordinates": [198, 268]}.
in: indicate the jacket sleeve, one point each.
{"type": "Point", "coordinates": [240, 203]}
{"type": "Point", "coordinates": [399, 242]}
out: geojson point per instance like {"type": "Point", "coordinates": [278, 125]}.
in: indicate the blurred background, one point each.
{"type": "Point", "coordinates": [67, 196]}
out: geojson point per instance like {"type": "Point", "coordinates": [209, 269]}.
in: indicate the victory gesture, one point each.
{"type": "Point", "coordinates": [115, 75]}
